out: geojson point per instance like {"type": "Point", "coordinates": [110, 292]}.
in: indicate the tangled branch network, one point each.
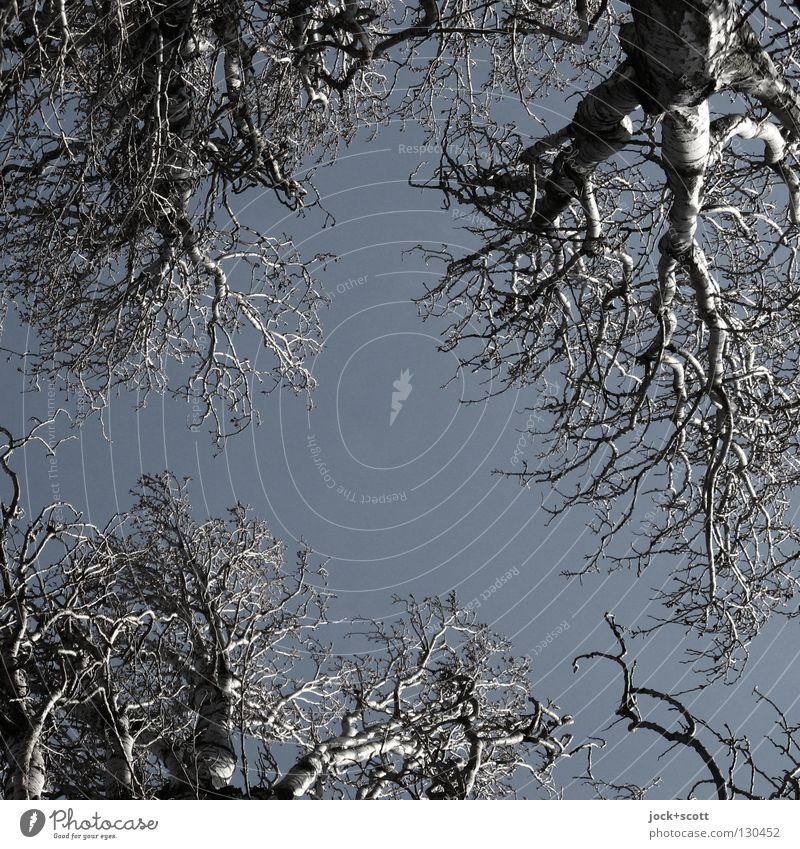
{"type": "Point", "coordinates": [654, 283]}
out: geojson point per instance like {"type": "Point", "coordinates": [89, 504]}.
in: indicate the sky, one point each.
{"type": "Point", "coordinates": [389, 476]}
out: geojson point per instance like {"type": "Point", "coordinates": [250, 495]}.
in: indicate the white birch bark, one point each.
{"type": "Point", "coordinates": [685, 143]}
{"type": "Point", "coordinates": [679, 49]}
{"type": "Point", "coordinates": [21, 736]}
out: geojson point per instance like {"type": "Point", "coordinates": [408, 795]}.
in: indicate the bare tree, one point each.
{"type": "Point", "coordinates": [124, 155]}
{"type": "Point", "coordinates": [240, 638]}
{"type": "Point", "coordinates": [729, 765]}
{"type": "Point", "coordinates": [645, 290]}
{"type": "Point", "coordinates": [205, 652]}
{"type": "Point", "coordinates": [162, 656]}
{"type": "Point", "coordinates": [43, 589]}
{"type": "Point", "coordinates": [437, 709]}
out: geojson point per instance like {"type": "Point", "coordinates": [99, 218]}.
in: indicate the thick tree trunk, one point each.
{"type": "Point", "coordinates": [679, 49]}
{"type": "Point", "coordinates": [26, 767]}
{"type": "Point", "coordinates": [168, 44]}
{"type": "Point", "coordinates": [683, 51]}
{"type": "Point", "coordinates": [679, 53]}
{"type": "Point", "coordinates": [685, 142]}
{"type": "Point", "coordinates": [214, 756]}
{"type": "Point", "coordinates": [19, 733]}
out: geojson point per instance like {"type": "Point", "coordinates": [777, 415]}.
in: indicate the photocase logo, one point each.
{"type": "Point", "coordinates": [402, 389]}
{"type": "Point", "coordinates": [31, 822]}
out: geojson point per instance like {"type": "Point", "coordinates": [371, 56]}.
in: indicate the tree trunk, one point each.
{"type": "Point", "coordinates": [679, 53]}
{"type": "Point", "coordinates": [26, 767]}
{"type": "Point", "coordinates": [119, 784]}
{"type": "Point", "coordinates": [214, 756]}
{"type": "Point", "coordinates": [679, 49]}
{"type": "Point", "coordinates": [19, 733]}
{"type": "Point", "coordinates": [683, 51]}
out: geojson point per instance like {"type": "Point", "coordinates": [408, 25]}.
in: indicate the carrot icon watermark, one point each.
{"type": "Point", "coordinates": [402, 389]}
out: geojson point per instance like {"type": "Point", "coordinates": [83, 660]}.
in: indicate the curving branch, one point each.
{"type": "Point", "coordinates": [728, 761]}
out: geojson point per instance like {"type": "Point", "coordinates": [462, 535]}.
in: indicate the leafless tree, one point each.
{"type": "Point", "coordinates": [439, 709]}
{"type": "Point", "coordinates": [237, 648]}
{"type": "Point", "coordinates": [122, 155]}
{"type": "Point", "coordinates": [125, 155]}
{"type": "Point", "coordinates": [202, 653]}
{"type": "Point", "coordinates": [729, 765]}
{"type": "Point", "coordinates": [644, 289]}
{"type": "Point", "coordinates": [639, 278]}
{"type": "Point", "coordinates": [162, 656]}
{"type": "Point", "coordinates": [43, 589]}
